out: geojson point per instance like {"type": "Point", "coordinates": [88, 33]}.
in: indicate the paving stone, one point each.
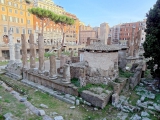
{"type": "Point", "coordinates": [8, 116]}
{"type": "Point", "coordinates": [58, 118]}
{"type": "Point", "coordinates": [23, 99]}
{"type": "Point", "coordinates": [41, 112]}
{"type": "Point", "coordinates": [72, 107]}
{"type": "Point", "coordinates": [144, 114]}
{"type": "Point", "coordinates": [43, 106]}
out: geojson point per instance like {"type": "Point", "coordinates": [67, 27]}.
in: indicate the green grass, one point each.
{"type": "Point", "coordinates": [88, 86]}
{"type": "Point", "coordinates": [125, 74]}
{"type": "Point", "coordinates": [3, 63]}
{"type": "Point", "coordinates": [75, 81]}
{"type": "Point", "coordinates": [8, 103]}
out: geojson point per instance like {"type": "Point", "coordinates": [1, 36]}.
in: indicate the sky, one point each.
{"type": "Point", "coordinates": [113, 12]}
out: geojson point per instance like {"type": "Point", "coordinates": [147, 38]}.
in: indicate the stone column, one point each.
{"type": "Point", "coordinates": [17, 52]}
{"type": "Point", "coordinates": [59, 53]}
{"type": "Point", "coordinates": [11, 47]}
{"type": "Point", "coordinates": [82, 77]}
{"type": "Point", "coordinates": [32, 52]}
{"type": "Point", "coordinates": [132, 42]}
{"type": "Point", "coordinates": [24, 50]}
{"type": "Point", "coordinates": [53, 67]}
{"type": "Point", "coordinates": [66, 74]}
{"type": "Point", "coordinates": [72, 54]}
{"type": "Point", "coordinates": [41, 52]}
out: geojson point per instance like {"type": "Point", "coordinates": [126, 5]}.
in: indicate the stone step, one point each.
{"type": "Point", "coordinates": [54, 93]}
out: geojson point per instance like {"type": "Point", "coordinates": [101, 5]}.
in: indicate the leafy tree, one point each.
{"type": "Point", "coordinates": [63, 21]}
{"type": "Point", "coordinates": [44, 15]}
{"type": "Point", "coordinates": [152, 43]}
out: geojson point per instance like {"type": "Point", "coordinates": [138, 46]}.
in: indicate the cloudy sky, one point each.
{"type": "Point", "coordinates": [94, 12]}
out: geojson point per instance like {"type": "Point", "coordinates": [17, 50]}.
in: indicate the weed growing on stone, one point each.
{"type": "Point", "coordinates": [75, 81]}
{"type": "Point", "coordinates": [125, 74]}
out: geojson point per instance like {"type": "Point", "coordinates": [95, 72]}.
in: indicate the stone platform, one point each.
{"type": "Point", "coordinates": [55, 84]}
{"type": "Point", "coordinates": [66, 98]}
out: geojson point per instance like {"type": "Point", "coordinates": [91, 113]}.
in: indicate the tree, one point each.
{"type": "Point", "coordinates": [44, 15]}
{"type": "Point", "coordinates": [63, 21]}
{"type": "Point", "coordinates": [152, 43]}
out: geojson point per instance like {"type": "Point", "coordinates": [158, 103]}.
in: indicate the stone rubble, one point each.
{"type": "Point", "coordinates": [8, 116]}
{"type": "Point", "coordinates": [58, 118]}
{"type": "Point", "coordinates": [43, 106]}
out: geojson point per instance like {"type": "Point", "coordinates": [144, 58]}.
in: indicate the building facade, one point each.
{"type": "Point", "coordinates": [72, 32]}
{"type": "Point", "coordinates": [115, 34]}
{"type": "Point", "coordinates": [15, 16]}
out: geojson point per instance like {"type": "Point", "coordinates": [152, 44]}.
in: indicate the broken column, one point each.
{"type": "Point", "coordinates": [82, 77]}
{"type": "Point", "coordinates": [59, 53]}
{"type": "Point", "coordinates": [11, 47]}
{"type": "Point", "coordinates": [32, 52]}
{"type": "Point", "coordinates": [17, 53]}
{"type": "Point", "coordinates": [72, 54]}
{"type": "Point", "coordinates": [53, 67]}
{"type": "Point", "coordinates": [66, 74]}
{"type": "Point", "coordinates": [24, 50]}
{"type": "Point", "coordinates": [41, 52]}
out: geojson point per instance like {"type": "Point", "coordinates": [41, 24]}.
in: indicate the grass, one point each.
{"type": "Point", "coordinates": [88, 86]}
{"type": "Point", "coordinates": [10, 104]}
{"type": "Point", "coordinates": [55, 105]}
{"type": "Point", "coordinates": [125, 74]}
{"type": "Point", "coordinates": [3, 63]}
{"type": "Point", "coordinates": [75, 81]}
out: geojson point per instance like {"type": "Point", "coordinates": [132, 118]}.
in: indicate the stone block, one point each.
{"type": "Point", "coordinates": [95, 99]}
{"type": "Point", "coordinates": [41, 113]}
{"type": "Point", "coordinates": [58, 118]}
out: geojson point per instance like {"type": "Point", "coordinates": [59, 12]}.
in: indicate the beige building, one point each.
{"type": "Point", "coordinates": [104, 31]}
{"type": "Point", "coordinates": [15, 16]}
{"type": "Point", "coordinates": [85, 32]}
{"type": "Point", "coordinates": [97, 29]}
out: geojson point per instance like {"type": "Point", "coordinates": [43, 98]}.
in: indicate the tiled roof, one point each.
{"type": "Point", "coordinates": [102, 47]}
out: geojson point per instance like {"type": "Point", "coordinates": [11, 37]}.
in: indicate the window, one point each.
{"type": "Point", "coordinates": [15, 11]}
{"type": "Point", "coordinates": [17, 30]}
{"type": "Point", "coordinates": [5, 29]}
{"type": "Point", "coordinates": [29, 31]}
{"type": "Point", "coordinates": [28, 21]}
{"type": "Point", "coordinates": [17, 20]}
{"type": "Point", "coordinates": [3, 9]}
{"type": "Point", "coordinates": [4, 17]}
{"type": "Point", "coordinates": [28, 14]}
{"type": "Point", "coordinates": [15, 5]}
{"type": "Point", "coordinates": [10, 19]}
{"type": "Point", "coordinates": [12, 29]}
{"type": "Point", "coordinates": [23, 31]}
{"type": "Point", "coordinates": [10, 10]}
{"type": "Point", "coordinates": [21, 7]}
{"type": "Point", "coordinates": [9, 3]}
{"type": "Point", "coordinates": [2, 1]}
{"type": "Point", "coordinates": [21, 20]}
{"type": "Point", "coordinates": [21, 13]}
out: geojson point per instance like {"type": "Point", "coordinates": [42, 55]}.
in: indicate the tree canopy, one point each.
{"type": "Point", "coordinates": [152, 42]}
{"type": "Point", "coordinates": [47, 16]}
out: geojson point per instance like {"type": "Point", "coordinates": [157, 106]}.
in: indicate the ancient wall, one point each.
{"type": "Point", "coordinates": [75, 59]}
{"type": "Point", "coordinates": [103, 61]}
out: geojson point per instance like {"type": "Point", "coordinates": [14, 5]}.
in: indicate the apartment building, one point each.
{"type": "Point", "coordinates": [14, 15]}
{"type": "Point", "coordinates": [85, 32]}
{"type": "Point", "coordinates": [72, 32]}
{"type": "Point", "coordinates": [115, 34]}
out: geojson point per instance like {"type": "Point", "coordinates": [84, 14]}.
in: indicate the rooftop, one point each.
{"type": "Point", "coordinates": [99, 46]}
